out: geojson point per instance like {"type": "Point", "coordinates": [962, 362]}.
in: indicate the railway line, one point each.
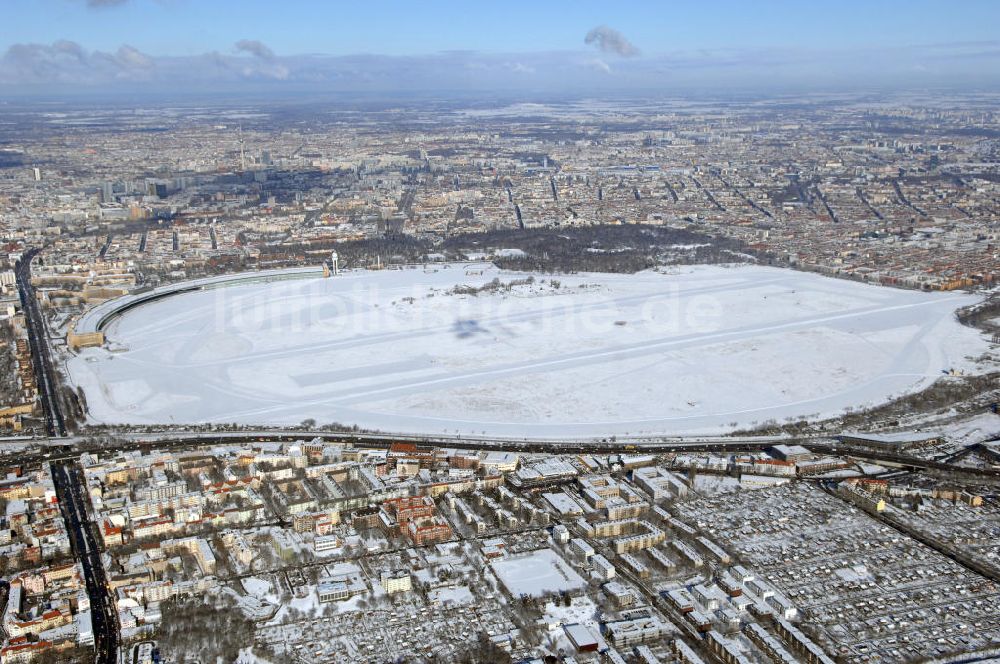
{"type": "Point", "coordinates": [63, 451]}
{"type": "Point", "coordinates": [64, 454]}
{"type": "Point", "coordinates": [66, 448]}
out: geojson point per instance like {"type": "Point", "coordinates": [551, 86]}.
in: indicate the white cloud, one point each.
{"type": "Point", "coordinates": [65, 65]}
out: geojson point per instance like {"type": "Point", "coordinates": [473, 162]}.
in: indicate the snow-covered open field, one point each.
{"type": "Point", "coordinates": [536, 574]}
{"type": "Point", "coordinates": [695, 350]}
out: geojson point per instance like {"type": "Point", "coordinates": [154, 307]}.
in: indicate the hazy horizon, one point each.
{"type": "Point", "coordinates": [74, 47]}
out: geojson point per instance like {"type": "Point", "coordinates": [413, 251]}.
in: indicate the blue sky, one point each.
{"type": "Point", "coordinates": [407, 27]}
{"type": "Point", "coordinates": [65, 44]}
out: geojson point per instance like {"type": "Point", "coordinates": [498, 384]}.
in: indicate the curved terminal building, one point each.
{"type": "Point", "coordinates": [88, 331]}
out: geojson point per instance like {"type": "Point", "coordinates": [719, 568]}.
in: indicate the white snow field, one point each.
{"type": "Point", "coordinates": [693, 350]}
{"type": "Point", "coordinates": [536, 574]}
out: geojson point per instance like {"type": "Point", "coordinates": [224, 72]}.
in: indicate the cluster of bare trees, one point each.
{"type": "Point", "coordinates": [358, 253]}
{"type": "Point", "coordinates": [8, 368]}
{"type": "Point", "coordinates": [494, 286]}
{"type": "Point", "coordinates": [193, 630]}
{"type": "Point", "coordinates": [605, 248]}
{"type": "Point", "coordinates": [600, 248]}
{"type": "Point", "coordinates": [985, 316]}
{"type": "Point", "coordinates": [64, 656]}
{"type": "Point", "coordinates": [484, 650]}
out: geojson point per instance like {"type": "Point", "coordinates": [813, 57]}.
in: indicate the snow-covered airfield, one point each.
{"type": "Point", "coordinates": [687, 350]}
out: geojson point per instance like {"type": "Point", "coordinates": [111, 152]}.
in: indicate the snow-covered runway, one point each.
{"type": "Point", "coordinates": [697, 350]}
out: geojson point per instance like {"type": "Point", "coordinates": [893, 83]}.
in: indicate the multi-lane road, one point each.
{"type": "Point", "coordinates": [48, 389]}
{"type": "Point", "coordinates": [70, 487]}
{"type": "Point", "coordinates": [63, 451]}
{"type": "Point", "coordinates": [63, 454]}
{"type": "Point", "coordinates": [72, 500]}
